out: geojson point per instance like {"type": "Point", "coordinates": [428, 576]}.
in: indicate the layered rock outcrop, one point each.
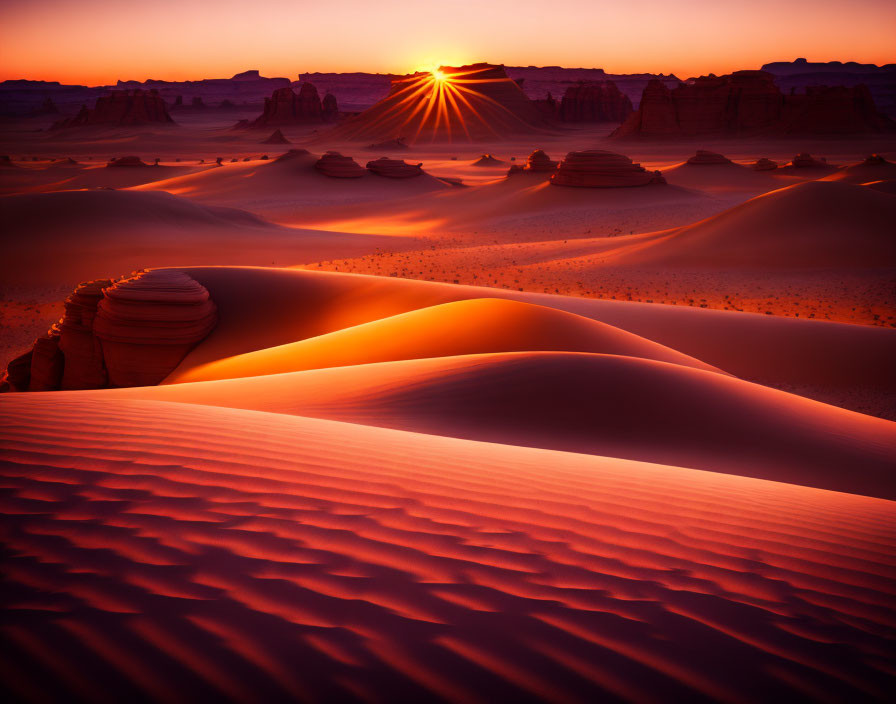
{"type": "Point", "coordinates": [596, 168]}
{"type": "Point", "coordinates": [148, 323]}
{"type": "Point", "coordinates": [120, 108]}
{"type": "Point", "coordinates": [394, 168]}
{"type": "Point", "coordinates": [132, 332]}
{"type": "Point", "coordinates": [336, 165]}
{"type": "Point", "coordinates": [47, 362]}
{"type": "Point", "coordinates": [84, 367]}
{"type": "Point", "coordinates": [704, 157]}
{"type": "Point", "coordinates": [285, 107]}
{"type": "Point", "coordinates": [749, 103]}
{"type": "Point", "coordinates": [539, 161]}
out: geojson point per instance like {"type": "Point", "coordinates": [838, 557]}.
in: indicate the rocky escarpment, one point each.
{"type": "Point", "coordinates": [596, 168]}
{"type": "Point", "coordinates": [132, 332]}
{"type": "Point", "coordinates": [750, 103]}
{"type": "Point", "coordinates": [591, 101]}
{"type": "Point", "coordinates": [285, 107]}
{"type": "Point", "coordinates": [121, 108]}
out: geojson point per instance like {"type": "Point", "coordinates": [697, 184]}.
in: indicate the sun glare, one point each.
{"type": "Point", "coordinates": [437, 75]}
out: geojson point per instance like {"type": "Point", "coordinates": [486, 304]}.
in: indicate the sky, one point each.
{"type": "Point", "coordinates": [96, 42]}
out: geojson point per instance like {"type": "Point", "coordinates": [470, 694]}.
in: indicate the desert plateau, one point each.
{"type": "Point", "coordinates": [419, 365]}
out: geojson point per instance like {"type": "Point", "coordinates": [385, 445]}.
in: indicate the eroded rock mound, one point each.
{"type": "Point", "coordinates": [121, 107]}
{"type": "Point", "coordinates": [539, 161]}
{"type": "Point", "coordinates": [127, 161]}
{"type": "Point", "coordinates": [133, 332]}
{"type": "Point", "coordinates": [148, 323]}
{"type": "Point", "coordinates": [276, 138]}
{"type": "Point", "coordinates": [805, 160]}
{"type": "Point", "coordinates": [487, 160]}
{"type": "Point", "coordinates": [596, 168]}
{"type": "Point", "coordinates": [704, 157]}
{"type": "Point", "coordinates": [336, 165]}
{"type": "Point", "coordinates": [764, 164]}
{"type": "Point", "coordinates": [394, 168]}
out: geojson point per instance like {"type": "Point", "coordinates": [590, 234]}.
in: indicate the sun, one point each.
{"type": "Point", "coordinates": [438, 75]}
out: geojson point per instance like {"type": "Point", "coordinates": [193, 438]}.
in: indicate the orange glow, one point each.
{"type": "Point", "coordinates": [99, 41]}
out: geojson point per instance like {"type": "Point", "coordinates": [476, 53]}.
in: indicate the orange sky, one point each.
{"type": "Point", "coordinates": [100, 41]}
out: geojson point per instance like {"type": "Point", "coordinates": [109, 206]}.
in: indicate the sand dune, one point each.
{"type": "Point", "coordinates": [286, 181]}
{"type": "Point", "coordinates": [814, 224]}
{"type": "Point", "coordinates": [182, 553]}
{"type": "Point", "coordinates": [462, 327]}
{"type": "Point", "coordinates": [263, 308]}
{"type": "Point", "coordinates": [869, 170]}
{"type": "Point", "coordinates": [720, 178]}
{"type": "Point", "coordinates": [593, 403]}
{"type": "Point", "coordinates": [75, 235]}
{"type": "Point", "coordinates": [68, 177]}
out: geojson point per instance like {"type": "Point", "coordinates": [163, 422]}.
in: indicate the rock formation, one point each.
{"type": "Point", "coordinates": [292, 154]}
{"type": "Point", "coordinates": [465, 103]}
{"type": "Point", "coordinates": [148, 323]}
{"type": "Point", "coordinates": [127, 161]}
{"type": "Point", "coordinates": [121, 107]}
{"type": "Point", "coordinates": [596, 168]}
{"type": "Point", "coordinates": [130, 333]}
{"type": "Point", "coordinates": [487, 160]}
{"type": "Point", "coordinates": [18, 372]}
{"type": "Point", "coordinates": [749, 103]}
{"type": "Point", "coordinates": [335, 165]}
{"type": "Point", "coordinates": [394, 168]}
{"type": "Point", "coordinates": [285, 107]}
{"type": "Point", "coordinates": [47, 362]}
{"type": "Point", "coordinates": [807, 161]}
{"type": "Point", "coordinates": [539, 161]}
{"type": "Point", "coordinates": [84, 367]}
{"type": "Point", "coordinates": [594, 101]}
{"type": "Point", "coordinates": [276, 138]}
{"type": "Point", "coordinates": [329, 108]}
{"type": "Point", "coordinates": [703, 157]}
{"type": "Point", "coordinates": [764, 164]}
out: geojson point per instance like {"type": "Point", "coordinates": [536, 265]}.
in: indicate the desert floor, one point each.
{"type": "Point", "coordinates": [467, 436]}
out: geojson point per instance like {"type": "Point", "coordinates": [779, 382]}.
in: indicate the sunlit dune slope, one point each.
{"type": "Point", "coordinates": [288, 180]}
{"type": "Point", "coordinates": [181, 553]}
{"type": "Point", "coordinates": [816, 224]}
{"type": "Point", "coordinates": [721, 178]}
{"type": "Point", "coordinates": [57, 237]}
{"type": "Point", "coordinates": [462, 327]}
{"type": "Point", "coordinates": [262, 308]}
{"type": "Point", "coordinates": [864, 172]}
{"type": "Point", "coordinates": [597, 404]}
{"type": "Point", "coordinates": [62, 176]}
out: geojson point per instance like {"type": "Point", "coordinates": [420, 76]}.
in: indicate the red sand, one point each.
{"type": "Point", "coordinates": [493, 483]}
